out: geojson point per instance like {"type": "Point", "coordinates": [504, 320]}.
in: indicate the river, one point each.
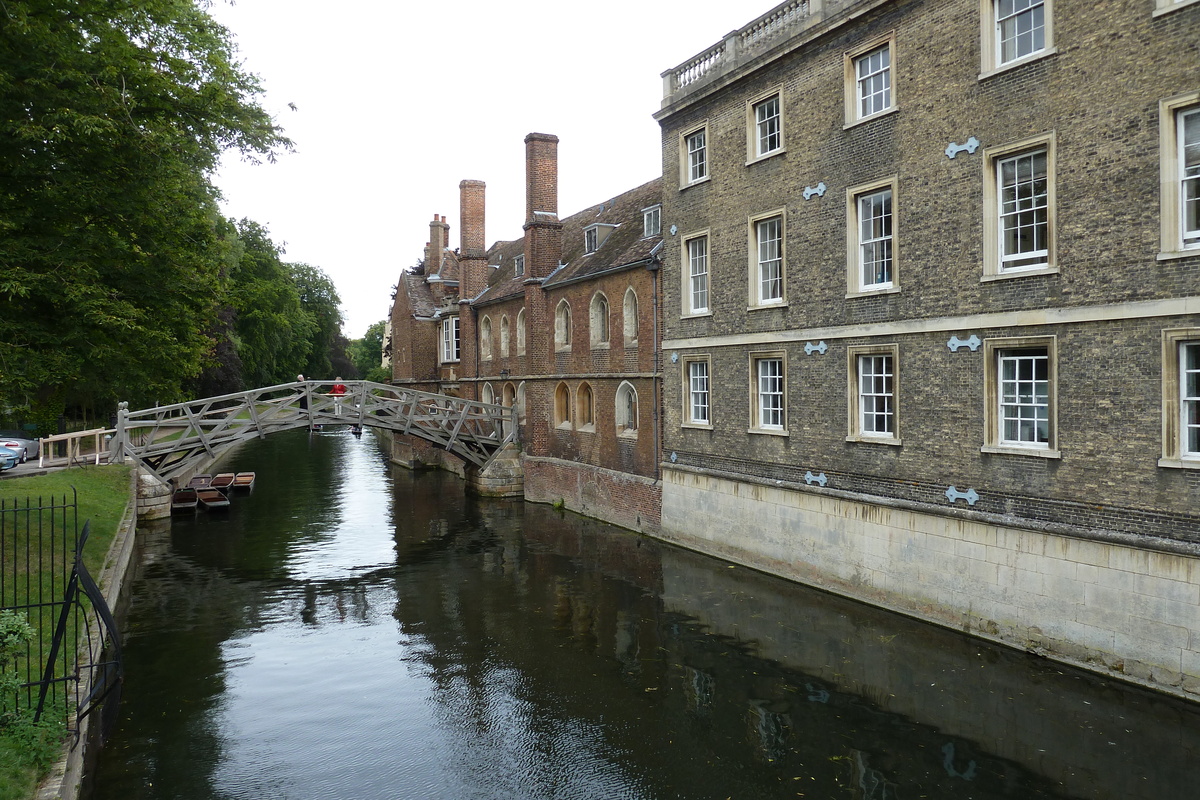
{"type": "Point", "coordinates": [353, 630]}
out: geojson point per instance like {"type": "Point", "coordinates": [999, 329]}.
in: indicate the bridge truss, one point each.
{"type": "Point", "coordinates": [169, 440]}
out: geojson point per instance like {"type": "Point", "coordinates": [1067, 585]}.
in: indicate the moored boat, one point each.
{"type": "Point", "coordinates": [184, 500]}
{"type": "Point", "coordinates": [200, 481]}
{"type": "Point", "coordinates": [244, 480]}
{"type": "Point", "coordinates": [222, 481]}
{"type": "Point", "coordinates": [212, 498]}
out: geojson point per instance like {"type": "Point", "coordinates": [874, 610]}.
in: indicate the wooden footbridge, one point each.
{"type": "Point", "coordinates": [169, 440]}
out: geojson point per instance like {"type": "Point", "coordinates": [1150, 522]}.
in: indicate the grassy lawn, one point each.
{"type": "Point", "coordinates": [103, 493]}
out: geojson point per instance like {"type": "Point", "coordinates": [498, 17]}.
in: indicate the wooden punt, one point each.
{"type": "Point", "coordinates": [200, 481]}
{"type": "Point", "coordinates": [244, 480]}
{"type": "Point", "coordinates": [184, 500]}
{"type": "Point", "coordinates": [212, 499]}
{"type": "Point", "coordinates": [222, 481]}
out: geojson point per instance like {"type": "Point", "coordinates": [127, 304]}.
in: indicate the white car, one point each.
{"type": "Point", "coordinates": [19, 440]}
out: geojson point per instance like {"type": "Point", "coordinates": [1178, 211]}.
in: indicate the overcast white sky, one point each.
{"type": "Point", "coordinates": [396, 101]}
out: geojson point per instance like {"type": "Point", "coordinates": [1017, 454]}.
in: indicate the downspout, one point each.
{"type": "Point", "coordinates": [657, 365]}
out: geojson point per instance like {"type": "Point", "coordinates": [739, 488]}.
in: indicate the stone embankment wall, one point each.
{"type": "Point", "coordinates": [1095, 601]}
{"type": "Point", "coordinates": [621, 498]}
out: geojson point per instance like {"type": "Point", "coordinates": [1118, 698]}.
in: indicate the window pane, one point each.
{"type": "Point", "coordinates": [1189, 173]}
{"type": "Point", "coordinates": [770, 260]}
{"type": "Point", "coordinates": [698, 273]}
{"type": "Point", "coordinates": [1021, 26]}
{"type": "Point", "coordinates": [1189, 383]}
{"type": "Point", "coordinates": [766, 116]}
{"type": "Point", "coordinates": [875, 394]}
{"type": "Point", "coordinates": [770, 393]}
{"type": "Point", "coordinates": [698, 390]}
{"type": "Point", "coordinates": [1024, 396]}
{"type": "Point", "coordinates": [1024, 211]}
{"type": "Point", "coordinates": [874, 82]}
{"type": "Point", "coordinates": [697, 156]}
{"type": "Point", "coordinates": [875, 238]}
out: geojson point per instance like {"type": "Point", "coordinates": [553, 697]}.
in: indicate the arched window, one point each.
{"type": "Point", "coordinates": [562, 406]}
{"type": "Point", "coordinates": [585, 402]}
{"type": "Point", "coordinates": [504, 336]}
{"type": "Point", "coordinates": [489, 395]}
{"type": "Point", "coordinates": [562, 326]}
{"type": "Point", "coordinates": [627, 410]}
{"type": "Point", "coordinates": [485, 338]}
{"type": "Point", "coordinates": [520, 403]}
{"type": "Point", "coordinates": [599, 320]}
{"type": "Point", "coordinates": [508, 396]}
{"type": "Point", "coordinates": [630, 315]}
{"type": "Point", "coordinates": [521, 332]}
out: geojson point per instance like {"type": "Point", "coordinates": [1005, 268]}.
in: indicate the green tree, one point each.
{"type": "Point", "coordinates": [273, 332]}
{"type": "Point", "coordinates": [113, 114]}
{"type": "Point", "coordinates": [367, 352]}
{"type": "Point", "coordinates": [321, 304]}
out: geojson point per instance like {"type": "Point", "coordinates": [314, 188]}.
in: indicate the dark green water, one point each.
{"type": "Point", "coordinates": [354, 631]}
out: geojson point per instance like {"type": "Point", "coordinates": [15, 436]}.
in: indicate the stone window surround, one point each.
{"type": "Point", "coordinates": [854, 287]}
{"type": "Point", "coordinates": [562, 326]}
{"type": "Point", "coordinates": [1166, 6]}
{"type": "Point", "coordinates": [992, 156]}
{"type": "Point", "coordinates": [629, 318]}
{"type": "Point", "coordinates": [756, 426]}
{"type": "Point", "coordinates": [851, 59]}
{"type": "Point", "coordinates": [562, 406]}
{"type": "Point", "coordinates": [689, 421]}
{"type": "Point", "coordinates": [599, 312]}
{"type": "Point", "coordinates": [754, 302]}
{"type": "Point", "coordinates": [1172, 422]}
{"type": "Point", "coordinates": [521, 332]}
{"type": "Point", "coordinates": [485, 338]}
{"type": "Point", "coordinates": [685, 153]}
{"type": "Point", "coordinates": [1170, 212]}
{"type": "Point", "coordinates": [855, 432]}
{"type": "Point", "coordinates": [687, 295]}
{"type": "Point", "coordinates": [752, 137]}
{"type": "Point", "coordinates": [989, 38]}
{"type": "Point", "coordinates": [992, 349]}
{"type": "Point", "coordinates": [585, 408]}
{"type": "Point", "coordinates": [624, 412]}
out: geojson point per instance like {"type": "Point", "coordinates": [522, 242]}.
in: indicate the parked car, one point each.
{"type": "Point", "coordinates": [9, 458]}
{"type": "Point", "coordinates": [20, 441]}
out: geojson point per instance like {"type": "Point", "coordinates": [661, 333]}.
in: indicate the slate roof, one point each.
{"type": "Point", "coordinates": [427, 289]}
{"type": "Point", "coordinates": [624, 245]}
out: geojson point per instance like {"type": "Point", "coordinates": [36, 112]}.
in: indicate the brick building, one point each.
{"type": "Point", "coordinates": [932, 309]}
{"type": "Point", "coordinates": [562, 324]}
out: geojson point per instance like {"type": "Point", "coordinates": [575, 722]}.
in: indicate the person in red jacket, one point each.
{"type": "Point", "coordinates": [337, 392]}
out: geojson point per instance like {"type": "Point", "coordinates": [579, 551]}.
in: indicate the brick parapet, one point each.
{"type": "Point", "coordinates": [630, 501]}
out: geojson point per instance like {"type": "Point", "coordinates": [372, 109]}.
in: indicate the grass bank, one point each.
{"type": "Point", "coordinates": [103, 494]}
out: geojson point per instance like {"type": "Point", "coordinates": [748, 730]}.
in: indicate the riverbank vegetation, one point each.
{"type": "Point", "coordinates": [103, 493]}
{"type": "Point", "coordinates": [119, 278]}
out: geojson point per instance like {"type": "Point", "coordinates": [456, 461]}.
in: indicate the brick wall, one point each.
{"type": "Point", "coordinates": [627, 500]}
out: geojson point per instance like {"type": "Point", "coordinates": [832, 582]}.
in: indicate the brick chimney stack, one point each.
{"type": "Point", "coordinates": [543, 252]}
{"type": "Point", "coordinates": [439, 231]}
{"type": "Point", "coordinates": [472, 242]}
{"type": "Point", "coordinates": [472, 277]}
{"type": "Point", "coordinates": [543, 231]}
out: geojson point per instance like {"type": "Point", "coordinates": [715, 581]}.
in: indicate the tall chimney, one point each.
{"type": "Point", "coordinates": [473, 245]}
{"type": "Point", "coordinates": [438, 232]}
{"type": "Point", "coordinates": [543, 231]}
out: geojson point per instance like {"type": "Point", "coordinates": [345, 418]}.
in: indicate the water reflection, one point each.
{"type": "Point", "coordinates": [350, 631]}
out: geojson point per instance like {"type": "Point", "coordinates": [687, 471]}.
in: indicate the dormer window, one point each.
{"type": "Point", "coordinates": [651, 221]}
{"type": "Point", "coordinates": [594, 236]}
{"type": "Point", "coordinates": [519, 265]}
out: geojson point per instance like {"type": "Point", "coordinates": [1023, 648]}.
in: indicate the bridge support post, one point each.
{"type": "Point", "coordinates": [502, 477]}
{"type": "Point", "coordinates": [153, 497]}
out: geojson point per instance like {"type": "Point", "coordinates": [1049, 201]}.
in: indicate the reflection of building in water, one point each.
{"type": "Point", "coordinates": [585, 625]}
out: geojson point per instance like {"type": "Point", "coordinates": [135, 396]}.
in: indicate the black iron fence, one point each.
{"type": "Point", "coordinates": [72, 663]}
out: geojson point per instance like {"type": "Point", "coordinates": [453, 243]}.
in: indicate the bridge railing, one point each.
{"type": "Point", "coordinates": [166, 439]}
